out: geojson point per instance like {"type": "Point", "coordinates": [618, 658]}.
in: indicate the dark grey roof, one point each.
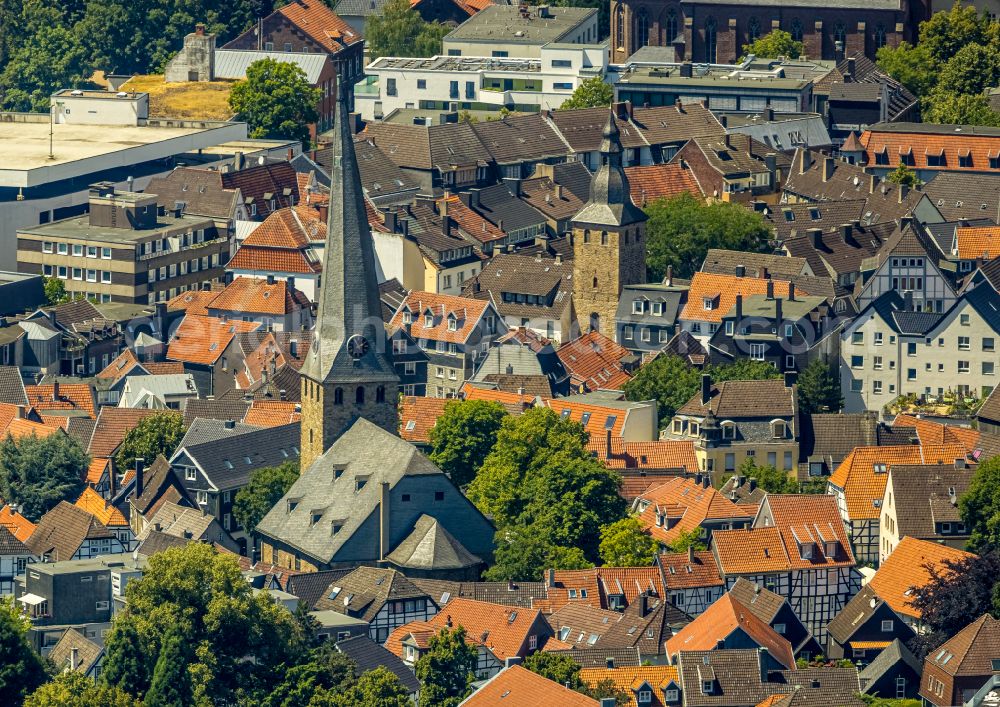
{"type": "Point", "coordinates": [364, 450]}
{"type": "Point", "coordinates": [959, 195]}
{"type": "Point", "coordinates": [610, 201]}
{"type": "Point", "coordinates": [822, 4]}
{"type": "Point", "coordinates": [12, 386]}
{"type": "Point", "coordinates": [855, 613]}
{"type": "Point", "coordinates": [348, 301]}
{"type": "Point", "coordinates": [87, 652]}
{"type": "Point", "coordinates": [431, 547]}
{"type": "Point", "coordinates": [922, 498]}
{"type": "Point", "coordinates": [497, 203]}
{"type": "Point", "coordinates": [228, 462]}
{"type": "Point", "coordinates": [157, 541]}
{"type": "Point", "coordinates": [10, 545]}
{"type": "Point", "coordinates": [735, 674]}
{"type": "Point", "coordinates": [443, 147]}
{"type": "Point", "coordinates": [227, 407]}
{"type": "Point", "coordinates": [311, 586]}
{"type": "Point", "coordinates": [892, 654]}
{"type": "Point", "coordinates": [520, 138]}
{"type": "Point", "coordinates": [203, 429]}
{"type": "Point", "coordinates": [359, 8]}
{"type": "Point", "coordinates": [761, 602]}
{"type": "Point", "coordinates": [364, 591]}
{"type": "Point", "coordinates": [832, 436]}
{"type": "Point", "coordinates": [524, 275]}
{"type": "Point", "coordinates": [201, 191]}
{"type": "Point", "coordinates": [369, 655]}
{"type": "Point", "coordinates": [507, 593]}
{"type": "Point", "coordinates": [986, 301]}
{"type": "Point", "coordinates": [379, 176]}
{"type": "Point", "coordinates": [807, 687]}
{"type": "Point", "coordinates": [670, 298]}
{"type": "Point", "coordinates": [725, 262]}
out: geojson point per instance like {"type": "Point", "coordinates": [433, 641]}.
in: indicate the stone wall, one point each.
{"type": "Point", "coordinates": [196, 61]}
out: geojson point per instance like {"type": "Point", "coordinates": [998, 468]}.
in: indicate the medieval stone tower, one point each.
{"type": "Point", "coordinates": [609, 241]}
{"type": "Point", "coordinates": [348, 372]}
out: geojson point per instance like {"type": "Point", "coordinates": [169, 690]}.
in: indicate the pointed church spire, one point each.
{"type": "Point", "coordinates": [610, 202]}
{"type": "Point", "coordinates": [349, 341]}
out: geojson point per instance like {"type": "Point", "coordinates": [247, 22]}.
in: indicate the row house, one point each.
{"type": "Point", "coordinates": [929, 149]}
{"type": "Point", "coordinates": [681, 506]}
{"type": "Point", "coordinates": [691, 579]}
{"type": "Point", "coordinates": [866, 627]}
{"type": "Point", "coordinates": [733, 421]}
{"type": "Point", "coordinates": [890, 350]}
{"type": "Point", "coordinates": [711, 296]}
{"type": "Point", "coordinates": [797, 547]}
{"type": "Point", "coordinates": [734, 167]}
{"type": "Point", "coordinates": [646, 319]}
{"type": "Point", "coordinates": [454, 333]}
{"type": "Point", "coordinates": [787, 333]}
{"type": "Point", "coordinates": [68, 532]}
{"type": "Point", "coordinates": [859, 485]}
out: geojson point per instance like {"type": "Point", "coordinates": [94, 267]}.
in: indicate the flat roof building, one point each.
{"type": "Point", "coordinates": [521, 30]}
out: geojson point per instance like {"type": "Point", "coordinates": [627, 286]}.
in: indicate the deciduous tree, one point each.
{"type": "Point", "coordinates": [55, 290]}
{"type": "Point", "coordinates": [21, 668]}
{"type": "Point", "coordinates": [171, 684]}
{"type": "Point", "coordinates": [591, 93]}
{"type": "Point", "coordinates": [36, 473]}
{"type": "Point", "coordinates": [446, 669]}
{"type": "Point", "coordinates": [276, 100]}
{"type": "Point", "coordinates": [680, 231]}
{"type": "Point", "coordinates": [768, 477]}
{"type": "Point", "coordinates": [943, 106]}
{"type": "Point", "coordinates": [774, 44]}
{"type": "Point", "coordinates": [624, 543]}
{"type": "Point", "coordinates": [980, 506]}
{"type": "Point", "coordinates": [464, 435]}
{"type": "Point", "coordinates": [154, 435]}
{"type": "Point", "coordinates": [264, 489]}
{"type": "Point", "coordinates": [401, 31]}
{"type": "Point", "coordinates": [819, 389]}
{"type": "Point", "coordinates": [687, 540]}
{"type": "Point", "coordinates": [73, 689]}
{"type": "Point", "coordinates": [560, 669]}
{"type": "Point", "coordinates": [125, 664]}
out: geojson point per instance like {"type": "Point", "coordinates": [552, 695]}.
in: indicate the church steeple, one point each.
{"type": "Point", "coordinates": [348, 372]}
{"type": "Point", "coordinates": [610, 203]}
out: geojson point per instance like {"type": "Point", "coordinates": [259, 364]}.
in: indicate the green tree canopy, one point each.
{"type": "Point", "coordinates": [154, 435]}
{"type": "Point", "coordinates": [276, 100]}
{"type": "Point", "coordinates": [591, 93]}
{"type": "Point", "coordinates": [972, 70]}
{"type": "Point", "coordinates": [55, 290]}
{"type": "Point", "coordinates": [959, 109]}
{"type": "Point", "coordinates": [904, 176]}
{"type": "Point", "coordinates": [624, 543]}
{"type": "Point", "coordinates": [236, 640]}
{"type": "Point", "coordinates": [21, 668]}
{"type": "Point", "coordinates": [171, 683]}
{"type": "Point", "coordinates": [980, 506]}
{"type": "Point", "coordinates": [125, 665]}
{"type": "Point", "coordinates": [36, 473]}
{"type": "Point", "coordinates": [686, 540]}
{"type": "Point", "coordinates": [73, 689]}
{"type": "Point", "coordinates": [525, 552]}
{"type": "Point", "coordinates": [681, 230]}
{"type": "Point", "coordinates": [446, 669]}
{"type": "Point", "coordinates": [463, 436]}
{"type": "Point", "coordinates": [774, 44]}
{"type": "Point", "coordinates": [768, 477]}
{"type": "Point", "coordinates": [819, 389]}
{"type": "Point", "coordinates": [560, 669]}
{"type": "Point", "coordinates": [541, 476]}
{"type": "Point", "coordinates": [265, 488]}
{"type": "Point", "coordinates": [910, 65]}
{"type": "Point", "coordinates": [401, 31]}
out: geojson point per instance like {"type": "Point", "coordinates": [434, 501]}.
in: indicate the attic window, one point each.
{"type": "Point", "coordinates": [789, 215]}
{"type": "Point", "coordinates": [359, 483]}
{"type": "Point", "coordinates": [452, 323]}
{"type": "Point", "coordinates": [293, 503]}
{"type": "Point", "coordinates": [336, 528]}
{"type": "Point", "coordinates": [410, 424]}
{"type": "Point", "coordinates": [585, 419]}
{"type": "Point", "coordinates": [708, 303]}
{"type": "Point", "coordinates": [879, 468]}
{"type": "Point", "coordinates": [830, 549]}
{"type": "Point", "coordinates": [428, 320]}
{"type": "Point", "coordinates": [315, 517]}
{"type": "Point", "coordinates": [228, 464]}
{"type": "Point", "coordinates": [806, 551]}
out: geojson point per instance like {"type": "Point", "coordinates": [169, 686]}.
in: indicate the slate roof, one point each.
{"type": "Point", "coordinates": [513, 139]}
{"type": "Point", "coordinates": [201, 191]}
{"type": "Point", "coordinates": [230, 407]}
{"type": "Point", "coordinates": [62, 531]}
{"type": "Point", "coordinates": [517, 685]}
{"type": "Point", "coordinates": [380, 177]}
{"type": "Point", "coordinates": [886, 660]}
{"type": "Point", "coordinates": [228, 462]}
{"type": "Point", "coordinates": [257, 181]}
{"type": "Point", "coordinates": [661, 125]}
{"type": "Point", "coordinates": [523, 275]}
{"type": "Point", "coordinates": [501, 208]}
{"type": "Point", "coordinates": [744, 399]}
{"type": "Point", "coordinates": [906, 568]}
{"type": "Point", "coordinates": [431, 547]}
{"type": "Point", "coordinates": [366, 451]}
{"type": "Point", "coordinates": [861, 607]}
{"type": "Point", "coordinates": [310, 587]}
{"type": "Point", "coordinates": [369, 655]}
{"type": "Point", "coordinates": [921, 497]}
{"type": "Point", "coordinates": [508, 593]}
{"type": "Point", "coordinates": [10, 545]}
{"type": "Point", "coordinates": [960, 195]}
{"type": "Point", "coordinates": [362, 592]}
{"type": "Point", "coordinates": [12, 386]}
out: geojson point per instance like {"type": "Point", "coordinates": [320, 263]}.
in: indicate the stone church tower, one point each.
{"type": "Point", "coordinates": [609, 241]}
{"type": "Point", "coordinates": [348, 372]}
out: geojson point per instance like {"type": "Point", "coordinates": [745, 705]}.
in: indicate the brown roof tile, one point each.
{"type": "Point", "coordinates": [112, 426]}
{"type": "Point", "coordinates": [594, 361]}
{"type": "Point", "coordinates": [661, 181]}
{"type": "Point", "coordinates": [519, 686]}
{"type": "Point", "coordinates": [202, 340]}
{"type": "Point", "coordinates": [906, 568]}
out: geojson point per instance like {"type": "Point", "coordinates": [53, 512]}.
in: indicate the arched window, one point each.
{"type": "Point", "coordinates": [604, 237]}
{"type": "Point", "coordinates": [620, 26]}
{"type": "Point", "coordinates": [586, 235]}
{"type": "Point", "coordinates": [595, 321]}
{"type": "Point", "coordinates": [796, 29]}
{"type": "Point", "coordinates": [595, 283]}
{"type": "Point", "coordinates": [753, 30]}
{"type": "Point", "coordinates": [359, 395]}
{"type": "Point", "coordinates": [879, 37]}
{"type": "Point", "coordinates": [380, 394]}
{"type": "Point", "coordinates": [642, 29]}
{"type": "Point", "coordinates": [711, 40]}
{"type": "Point", "coordinates": [671, 24]}
{"type": "Point", "coordinates": [338, 396]}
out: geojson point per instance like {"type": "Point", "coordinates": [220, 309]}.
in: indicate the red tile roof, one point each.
{"type": "Point", "coordinates": [594, 361]}
{"type": "Point", "coordinates": [272, 413]}
{"type": "Point", "coordinates": [191, 302]}
{"type": "Point", "coordinates": [519, 686]}
{"type": "Point", "coordinates": [96, 470]}
{"type": "Point", "coordinates": [683, 505]}
{"type": "Point", "coordinates": [18, 428]}
{"type": "Point", "coordinates": [316, 19]}
{"type": "Point", "coordinates": [472, 223]}
{"type": "Point", "coordinates": [276, 260]}
{"type": "Point", "coordinates": [597, 417]}
{"type": "Point", "coordinates": [978, 243]}
{"type": "Point", "coordinates": [122, 366]}
{"type": "Point", "coordinates": [293, 227]}
{"type": "Point", "coordinates": [660, 181]}
{"type": "Point", "coordinates": [962, 142]}
{"type": "Point", "coordinates": [442, 308]}
{"type": "Point", "coordinates": [72, 396]}
{"type": "Point", "coordinates": [659, 454]}
{"type": "Point", "coordinates": [722, 290]}
{"type": "Point", "coordinates": [112, 426]}
{"type": "Point", "coordinates": [417, 415]}
{"type": "Point", "coordinates": [721, 619]}
{"type": "Point", "coordinates": [249, 294]}
{"type": "Point", "coordinates": [21, 527]}
{"type": "Point", "coordinates": [202, 340]}
{"type": "Point", "coordinates": [517, 400]}
{"type": "Point", "coordinates": [630, 679]}
{"type": "Point", "coordinates": [687, 571]}
{"type": "Point", "coordinates": [936, 433]}
{"type": "Point", "coordinates": [906, 568]}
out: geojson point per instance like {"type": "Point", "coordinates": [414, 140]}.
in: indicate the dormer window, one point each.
{"type": "Point", "coordinates": [637, 306]}
{"type": "Point", "coordinates": [428, 320]}
{"type": "Point", "coordinates": [708, 303]}
{"type": "Point", "coordinates": [806, 551]}
{"type": "Point", "coordinates": [644, 697]}
{"type": "Point", "coordinates": [359, 483]}
{"type": "Point", "coordinates": [452, 323]}
{"type": "Point", "coordinates": [830, 549]}
{"type": "Point", "coordinates": [728, 430]}
{"type": "Point", "coordinates": [657, 308]}
{"type": "Point", "coordinates": [407, 317]}
{"type": "Point", "coordinates": [778, 429]}
{"type": "Point", "coordinates": [707, 687]}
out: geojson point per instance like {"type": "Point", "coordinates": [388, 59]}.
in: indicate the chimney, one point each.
{"type": "Point", "coordinates": [558, 258]}
{"type": "Point", "coordinates": [791, 291]}
{"type": "Point", "coordinates": [764, 660]}
{"type": "Point", "coordinates": [739, 313]}
{"type": "Point", "coordinates": [827, 168]}
{"type": "Point", "coordinates": [770, 289]}
{"type": "Point", "coordinates": [686, 72]}
{"type": "Point", "coordinates": [230, 424]}
{"type": "Point", "coordinates": [778, 318]}
{"type": "Point", "coordinates": [724, 122]}
{"type": "Point", "coordinates": [290, 154]}
{"type": "Point", "coordinates": [138, 477]}
{"type": "Point", "coordinates": [845, 232]}
{"type": "Point", "coordinates": [21, 412]}
{"type": "Point", "coordinates": [324, 212]}
{"type": "Point", "coordinates": [850, 68]}
{"type": "Point", "coordinates": [805, 159]}
{"type": "Point", "coordinates": [55, 391]}
{"type": "Point", "coordinates": [901, 192]}
{"type": "Point", "coordinates": [550, 578]}
{"type": "Point", "coordinates": [872, 181]}
{"type": "Point", "coordinates": [697, 478]}
{"type": "Point", "coordinates": [691, 553]}
{"type": "Point", "coordinates": [383, 529]}
{"type": "Point", "coordinates": [199, 29]}
{"type": "Point", "coordinates": [74, 653]}
{"type": "Point", "coordinates": [908, 301]}
{"type": "Point", "coordinates": [293, 348]}
{"type": "Point", "coordinates": [790, 378]}
{"type": "Point", "coordinates": [112, 481]}
{"type": "Point", "coordinates": [239, 161]}
{"type": "Point", "coordinates": [706, 388]}
{"type": "Point", "coordinates": [270, 279]}
{"type": "Point", "coordinates": [511, 660]}
{"type": "Point", "coordinates": [670, 276]}
{"type": "Point", "coordinates": [607, 444]}
{"type": "Point", "coordinates": [643, 604]}
{"type": "Point", "coordinates": [753, 485]}
{"type": "Point", "coordinates": [720, 644]}
{"type": "Point", "coordinates": [609, 701]}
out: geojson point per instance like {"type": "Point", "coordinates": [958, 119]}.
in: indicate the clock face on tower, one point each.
{"type": "Point", "coordinates": [357, 346]}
